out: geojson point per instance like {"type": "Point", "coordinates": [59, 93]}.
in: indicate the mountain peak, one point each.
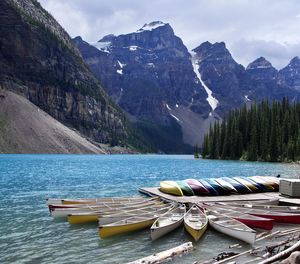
{"type": "Point", "coordinates": [295, 61]}
{"type": "Point", "coordinates": [107, 38]}
{"type": "Point", "coordinates": [152, 25]}
{"type": "Point", "coordinates": [259, 63]}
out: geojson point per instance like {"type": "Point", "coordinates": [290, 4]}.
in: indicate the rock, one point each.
{"type": "Point", "coordinates": [294, 258]}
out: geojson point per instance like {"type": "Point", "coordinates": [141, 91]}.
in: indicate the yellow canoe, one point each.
{"type": "Point", "coordinates": [195, 222]}
{"type": "Point", "coordinates": [90, 217]}
{"type": "Point", "coordinates": [127, 225]}
{"type": "Point", "coordinates": [170, 187]}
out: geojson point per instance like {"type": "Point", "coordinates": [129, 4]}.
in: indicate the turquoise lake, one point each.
{"type": "Point", "coordinates": [30, 235]}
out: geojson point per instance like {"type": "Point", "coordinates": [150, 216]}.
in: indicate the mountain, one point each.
{"type": "Point", "coordinates": [290, 75]}
{"type": "Point", "coordinates": [39, 61]}
{"type": "Point", "coordinates": [222, 74]}
{"type": "Point", "coordinates": [150, 75]}
{"type": "Point", "coordinates": [166, 89]}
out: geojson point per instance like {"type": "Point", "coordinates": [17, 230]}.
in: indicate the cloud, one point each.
{"type": "Point", "coordinates": [250, 28]}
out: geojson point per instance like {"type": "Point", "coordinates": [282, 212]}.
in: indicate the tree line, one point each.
{"type": "Point", "coordinates": [264, 132]}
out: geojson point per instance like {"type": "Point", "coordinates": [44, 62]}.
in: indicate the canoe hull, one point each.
{"type": "Point", "coordinates": [197, 187]}
{"type": "Point", "coordinates": [195, 222]}
{"type": "Point", "coordinates": [247, 237]}
{"type": "Point", "coordinates": [196, 234]}
{"type": "Point", "coordinates": [170, 187]}
{"type": "Point", "coordinates": [263, 224]}
{"type": "Point", "coordinates": [157, 233]}
{"type": "Point", "coordinates": [108, 231]}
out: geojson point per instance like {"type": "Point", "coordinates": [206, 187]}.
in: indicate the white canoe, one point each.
{"type": "Point", "coordinates": [64, 212]}
{"type": "Point", "coordinates": [149, 211]}
{"type": "Point", "coordinates": [231, 227]}
{"type": "Point", "coordinates": [195, 222]}
{"type": "Point", "coordinates": [92, 200]}
{"type": "Point", "coordinates": [168, 222]}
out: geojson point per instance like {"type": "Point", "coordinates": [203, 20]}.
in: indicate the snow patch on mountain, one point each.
{"type": "Point", "coordinates": [102, 46]}
{"type": "Point", "coordinates": [213, 102]}
{"type": "Point", "coordinates": [151, 26]}
{"type": "Point", "coordinates": [133, 48]}
{"type": "Point", "coordinates": [175, 117]}
{"type": "Point", "coordinates": [121, 65]}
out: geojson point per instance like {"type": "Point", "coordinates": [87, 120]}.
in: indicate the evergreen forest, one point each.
{"type": "Point", "coordinates": [264, 132]}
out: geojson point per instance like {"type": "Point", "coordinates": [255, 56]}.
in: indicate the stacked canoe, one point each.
{"type": "Point", "coordinates": [220, 186]}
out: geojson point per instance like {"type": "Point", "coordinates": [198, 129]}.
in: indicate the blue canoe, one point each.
{"type": "Point", "coordinates": [258, 185]}
{"type": "Point", "coordinates": [210, 188]}
{"type": "Point", "coordinates": [218, 187]}
{"type": "Point", "coordinates": [241, 188]}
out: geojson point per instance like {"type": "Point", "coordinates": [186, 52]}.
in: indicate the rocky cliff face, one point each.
{"type": "Point", "coordinates": [150, 75]}
{"type": "Point", "coordinates": [222, 74]}
{"type": "Point", "coordinates": [39, 60]}
{"type": "Point", "coordinates": [147, 72]}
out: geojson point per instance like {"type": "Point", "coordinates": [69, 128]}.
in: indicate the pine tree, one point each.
{"type": "Point", "coordinates": [268, 132]}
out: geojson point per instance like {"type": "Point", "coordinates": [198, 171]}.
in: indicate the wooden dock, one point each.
{"type": "Point", "coordinates": [154, 191]}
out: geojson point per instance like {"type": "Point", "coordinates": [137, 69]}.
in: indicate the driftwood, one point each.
{"type": "Point", "coordinates": [283, 254]}
{"type": "Point", "coordinates": [233, 257]}
{"type": "Point", "coordinates": [267, 236]}
{"type": "Point", "coordinates": [166, 255]}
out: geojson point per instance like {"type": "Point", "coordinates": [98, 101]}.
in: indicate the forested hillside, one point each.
{"type": "Point", "coordinates": [266, 132]}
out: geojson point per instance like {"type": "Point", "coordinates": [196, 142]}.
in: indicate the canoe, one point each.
{"type": "Point", "coordinates": [127, 225]}
{"type": "Point", "coordinates": [167, 222]}
{"type": "Point", "coordinates": [89, 217]}
{"type": "Point", "coordinates": [197, 187]}
{"type": "Point", "coordinates": [219, 188]}
{"type": "Point", "coordinates": [170, 187]}
{"type": "Point", "coordinates": [64, 212]}
{"type": "Point", "coordinates": [100, 204]}
{"type": "Point", "coordinates": [247, 219]}
{"type": "Point", "coordinates": [92, 200]}
{"type": "Point", "coordinates": [238, 186]}
{"type": "Point", "coordinates": [111, 218]}
{"type": "Point", "coordinates": [231, 227]}
{"type": "Point", "coordinates": [195, 222]}
{"type": "Point", "coordinates": [262, 181]}
{"type": "Point", "coordinates": [211, 189]}
{"type": "Point", "coordinates": [280, 217]}
{"type": "Point", "coordinates": [272, 181]}
{"type": "Point", "coordinates": [226, 185]}
{"type": "Point", "coordinates": [185, 188]}
{"type": "Point", "coordinates": [250, 185]}
{"type": "Point", "coordinates": [273, 208]}
{"type": "Point", "coordinates": [258, 185]}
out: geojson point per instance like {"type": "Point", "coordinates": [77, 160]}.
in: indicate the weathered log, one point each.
{"type": "Point", "coordinates": [294, 258]}
{"type": "Point", "coordinates": [283, 254]}
{"type": "Point", "coordinates": [166, 255]}
{"type": "Point", "coordinates": [233, 257]}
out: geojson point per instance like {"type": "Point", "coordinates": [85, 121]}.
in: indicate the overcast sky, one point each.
{"type": "Point", "coordinates": [250, 28]}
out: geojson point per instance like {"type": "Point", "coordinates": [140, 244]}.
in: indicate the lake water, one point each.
{"type": "Point", "coordinates": [30, 235]}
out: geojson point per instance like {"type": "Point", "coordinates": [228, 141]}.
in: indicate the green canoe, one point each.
{"type": "Point", "coordinates": [186, 189]}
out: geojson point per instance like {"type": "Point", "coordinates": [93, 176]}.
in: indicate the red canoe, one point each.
{"type": "Point", "coordinates": [247, 219]}
{"type": "Point", "coordinates": [197, 187]}
{"type": "Point", "coordinates": [291, 218]}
